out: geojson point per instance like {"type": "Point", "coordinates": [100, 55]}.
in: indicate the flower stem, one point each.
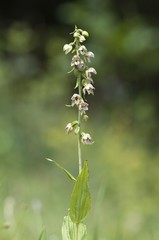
{"type": "Point", "coordinates": [79, 133]}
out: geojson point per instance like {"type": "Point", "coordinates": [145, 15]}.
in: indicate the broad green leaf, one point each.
{"type": "Point", "coordinates": [72, 231]}
{"type": "Point", "coordinates": [82, 232]}
{"type": "Point", "coordinates": [62, 168]}
{"type": "Point", "coordinates": [80, 202]}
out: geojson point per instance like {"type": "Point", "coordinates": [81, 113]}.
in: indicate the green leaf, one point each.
{"type": "Point", "coordinates": [80, 202]}
{"type": "Point", "coordinates": [82, 232]}
{"type": "Point", "coordinates": [72, 231]}
{"type": "Point", "coordinates": [42, 234]}
{"type": "Point", "coordinates": [62, 168]}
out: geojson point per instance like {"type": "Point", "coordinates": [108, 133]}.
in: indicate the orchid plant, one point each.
{"type": "Point", "coordinates": [73, 227]}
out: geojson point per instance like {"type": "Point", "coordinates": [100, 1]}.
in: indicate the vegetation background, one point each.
{"type": "Point", "coordinates": [124, 116]}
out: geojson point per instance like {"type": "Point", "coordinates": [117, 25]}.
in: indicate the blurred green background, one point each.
{"type": "Point", "coordinates": [123, 118]}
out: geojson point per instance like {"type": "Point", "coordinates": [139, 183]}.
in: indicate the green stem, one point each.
{"type": "Point", "coordinates": [76, 236]}
{"type": "Point", "coordinates": [79, 133]}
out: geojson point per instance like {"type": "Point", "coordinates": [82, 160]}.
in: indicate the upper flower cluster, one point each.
{"type": "Point", "coordinates": [84, 73]}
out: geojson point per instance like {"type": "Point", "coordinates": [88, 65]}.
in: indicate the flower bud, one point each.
{"type": "Point", "coordinates": [89, 89]}
{"type": "Point", "coordinates": [85, 33]}
{"type": "Point", "coordinates": [77, 129]}
{"type": "Point", "coordinates": [72, 126]}
{"type": "Point", "coordinates": [76, 35]}
{"type": "Point", "coordinates": [67, 48]}
{"type": "Point", "coordinates": [85, 117]}
{"type": "Point", "coordinates": [82, 39]}
{"type": "Point", "coordinates": [69, 128]}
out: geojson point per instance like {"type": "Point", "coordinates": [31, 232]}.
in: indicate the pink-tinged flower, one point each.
{"type": "Point", "coordinates": [83, 106]}
{"type": "Point", "coordinates": [76, 99]}
{"type": "Point", "coordinates": [89, 55]}
{"type": "Point", "coordinates": [89, 89]}
{"type": "Point", "coordinates": [77, 62]}
{"type": "Point", "coordinates": [86, 138]}
{"type": "Point", "coordinates": [80, 66]}
{"type": "Point", "coordinates": [69, 128]}
{"type": "Point", "coordinates": [89, 71]}
{"type": "Point", "coordinates": [83, 50]}
{"type": "Point", "coordinates": [67, 48]}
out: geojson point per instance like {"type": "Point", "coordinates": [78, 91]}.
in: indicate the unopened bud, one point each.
{"type": "Point", "coordinates": [85, 33]}
{"type": "Point", "coordinates": [76, 35]}
{"type": "Point", "coordinates": [67, 48]}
